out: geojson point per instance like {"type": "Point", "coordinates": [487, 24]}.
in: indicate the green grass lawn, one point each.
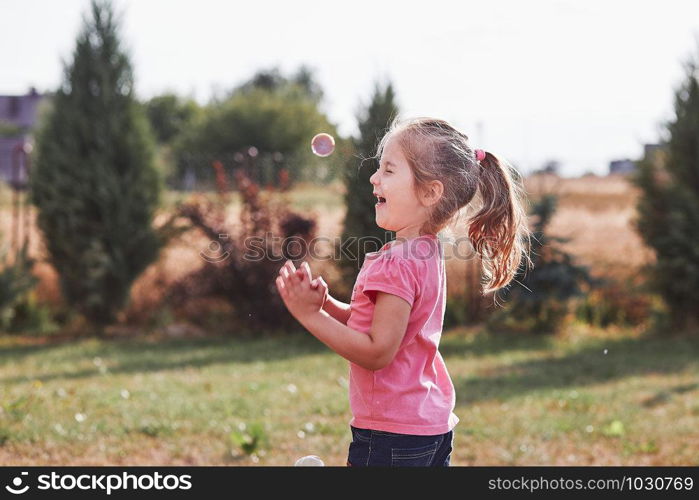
{"type": "Point", "coordinates": [592, 398]}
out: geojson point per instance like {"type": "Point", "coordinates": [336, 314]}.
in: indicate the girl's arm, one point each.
{"type": "Point", "coordinates": [338, 310]}
{"type": "Point", "coordinates": [374, 350]}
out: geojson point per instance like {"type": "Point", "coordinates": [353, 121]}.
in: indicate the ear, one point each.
{"type": "Point", "coordinates": [432, 193]}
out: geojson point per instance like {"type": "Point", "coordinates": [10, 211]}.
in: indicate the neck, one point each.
{"type": "Point", "coordinates": [409, 232]}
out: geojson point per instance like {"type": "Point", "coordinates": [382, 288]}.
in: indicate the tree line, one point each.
{"type": "Point", "coordinates": [103, 159]}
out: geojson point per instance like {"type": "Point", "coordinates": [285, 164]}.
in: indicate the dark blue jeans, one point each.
{"type": "Point", "coordinates": [386, 449]}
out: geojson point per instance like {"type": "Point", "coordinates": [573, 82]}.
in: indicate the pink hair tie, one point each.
{"type": "Point", "coordinates": [480, 155]}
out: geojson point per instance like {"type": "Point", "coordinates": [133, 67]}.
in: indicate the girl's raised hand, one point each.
{"type": "Point", "coordinates": [318, 284]}
{"type": "Point", "coordinates": [301, 294]}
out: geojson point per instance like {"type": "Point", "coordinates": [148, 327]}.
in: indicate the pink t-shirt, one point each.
{"type": "Point", "coordinates": [414, 393]}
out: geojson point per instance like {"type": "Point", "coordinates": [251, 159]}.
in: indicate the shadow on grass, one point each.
{"type": "Point", "coordinates": [14, 353]}
{"type": "Point", "coordinates": [587, 365]}
{"type": "Point", "coordinates": [484, 344]}
{"type": "Point", "coordinates": [142, 356]}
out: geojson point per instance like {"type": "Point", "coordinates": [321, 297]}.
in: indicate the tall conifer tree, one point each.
{"type": "Point", "coordinates": [668, 209]}
{"type": "Point", "coordinates": [360, 233]}
{"type": "Point", "coordinates": [94, 181]}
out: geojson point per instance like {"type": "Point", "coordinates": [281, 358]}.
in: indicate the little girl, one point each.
{"type": "Point", "coordinates": [401, 396]}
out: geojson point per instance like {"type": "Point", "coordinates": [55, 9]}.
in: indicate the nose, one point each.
{"type": "Point", "coordinates": [374, 178]}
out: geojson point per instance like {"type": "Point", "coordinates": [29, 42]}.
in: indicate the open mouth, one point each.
{"type": "Point", "coordinates": [381, 200]}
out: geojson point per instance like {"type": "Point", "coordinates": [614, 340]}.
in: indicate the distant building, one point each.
{"type": "Point", "coordinates": [625, 166]}
{"type": "Point", "coordinates": [549, 167]}
{"type": "Point", "coordinates": [18, 116]}
{"type": "Point", "coordinates": [651, 152]}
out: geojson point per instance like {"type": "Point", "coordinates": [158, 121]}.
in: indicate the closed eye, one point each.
{"type": "Point", "coordinates": [387, 171]}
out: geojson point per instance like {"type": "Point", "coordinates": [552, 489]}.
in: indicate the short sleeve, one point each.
{"type": "Point", "coordinates": [394, 275]}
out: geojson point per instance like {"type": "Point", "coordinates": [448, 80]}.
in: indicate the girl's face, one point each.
{"type": "Point", "coordinates": [402, 211]}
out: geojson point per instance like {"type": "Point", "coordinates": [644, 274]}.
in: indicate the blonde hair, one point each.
{"type": "Point", "coordinates": [498, 231]}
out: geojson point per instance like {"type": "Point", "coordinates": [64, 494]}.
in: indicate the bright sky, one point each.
{"type": "Point", "coordinates": [579, 82]}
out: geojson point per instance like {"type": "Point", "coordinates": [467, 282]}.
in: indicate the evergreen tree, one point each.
{"type": "Point", "coordinates": [94, 181]}
{"type": "Point", "coordinates": [360, 233]}
{"type": "Point", "coordinates": [668, 209]}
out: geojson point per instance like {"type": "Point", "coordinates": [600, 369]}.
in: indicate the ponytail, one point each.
{"type": "Point", "coordinates": [498, 231]}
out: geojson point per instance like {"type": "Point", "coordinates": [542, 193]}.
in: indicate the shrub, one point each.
{"type": "Point", "coordinates": [612, 302]}
{"type": "Point", "coordinates": [16, 281]}
{"type": "Point", "coordinates": [242, 263]}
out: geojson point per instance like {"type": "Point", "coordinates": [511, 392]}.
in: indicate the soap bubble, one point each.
{"type": "Point", "coordinates": [323, 144]}
{"type": "Point", "coordinates": [309, 461]}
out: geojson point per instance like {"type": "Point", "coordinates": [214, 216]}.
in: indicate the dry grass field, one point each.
{"type": "Point", "coordinates": [597, 214]}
